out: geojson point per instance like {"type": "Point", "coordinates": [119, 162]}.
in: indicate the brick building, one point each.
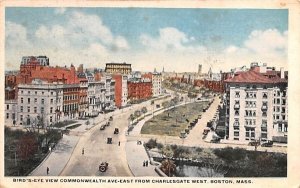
{"type": "Point", "coordinates": [121, 90]}
{"type": "Point", "coordinates": [139, 89]}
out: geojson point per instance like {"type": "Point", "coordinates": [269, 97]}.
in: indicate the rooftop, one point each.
{"type": "Point", "coordinates": [253, 76]}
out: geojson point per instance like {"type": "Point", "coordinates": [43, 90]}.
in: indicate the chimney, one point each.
{"type": "Point", "coordinates": [281, 73]}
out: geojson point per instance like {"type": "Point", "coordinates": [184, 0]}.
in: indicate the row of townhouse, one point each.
{"type": "Point", "coordinates": [60, 93]}
{"type": "Point", "coordinates": [54, 102]}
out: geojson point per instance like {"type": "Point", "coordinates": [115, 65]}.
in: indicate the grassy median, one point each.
{"type": "Point", "coordinates": [173, 121]}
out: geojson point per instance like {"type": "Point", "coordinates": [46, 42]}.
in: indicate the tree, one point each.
{"type": "Point", "coordinates": [144, 110]}
{"type": "Point", "coordinates": [131, 118]}
{"type": "Point", "coordinates": [168, 167]}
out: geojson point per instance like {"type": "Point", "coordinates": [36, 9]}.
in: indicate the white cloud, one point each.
{"type": "Point", "coordinates": [231, 49]}
{"type": "Point", "coordinates": [60, 10]}
{"type": "Point", "coordinates": [170, 39]}
{"type": "Point", "coordinates": [15, 35]}
{"type": "Point", "coordinates": [268, 46]}
{"type": "Point", "coordinates": [270, 40]}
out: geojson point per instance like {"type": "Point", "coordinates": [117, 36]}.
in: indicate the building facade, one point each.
{"type": "Point", "coordinates": [121, 68]}
{"type": "Point", "coordinates": [39, 101]}
{"type": "Point", "coordinates": [43, 60]}
{"type": "Point", "coordinates": [71, 101]}
{"type": "Point", "coordinates": [109, 92]}
{"type": "Point", "coordinates": [256, 102]}
{"type": "Point", "coordinates": [139, 89]}
{"type": "Point", "coordinates": [121, 91]}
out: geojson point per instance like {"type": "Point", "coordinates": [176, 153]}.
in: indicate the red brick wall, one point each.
{"type": "Point", "coordinates": [139, 90]}
{"type": "Point", "coordinates": [118, 90]}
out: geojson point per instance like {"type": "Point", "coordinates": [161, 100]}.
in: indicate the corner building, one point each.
{"type": "Point", "coordinates": [256, 105]}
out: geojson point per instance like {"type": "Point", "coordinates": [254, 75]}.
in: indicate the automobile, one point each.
{"type": "Point", "coordinates": [254, 143]}
{"type": "Point", "coordinates": [205, 131]}
{"type": "Point", "coordinates": [103, 166]}
{"type": "Point", "coordinates": [116, 131]}
{"type": "Point", "coordinates": [268, 143]}
{"type": "Point", "coordinates": [182, 134]}
{"type": "Point", "coordinates": [109, 140]}
{"type": "Point", "coordinates": [110, 118]}
{"type": "Point", "coordinates": [107, 124]}
{"type": "Point", "coordinates": [102, 127]}
{"type": "Point", "coordinates": [217, 140]}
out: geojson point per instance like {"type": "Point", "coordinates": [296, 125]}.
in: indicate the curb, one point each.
{"type": "Point", "coordinates": [47, 156]}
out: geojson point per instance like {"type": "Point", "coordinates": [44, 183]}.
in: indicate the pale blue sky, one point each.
{"type": "Point", "coordinates": [130, 34]}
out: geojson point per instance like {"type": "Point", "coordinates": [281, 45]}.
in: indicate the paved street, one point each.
{"type": "Point", "coordinates": [96, 150]}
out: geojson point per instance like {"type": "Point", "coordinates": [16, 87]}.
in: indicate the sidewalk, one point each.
{"type": "Point", "coordinates": [136, 155]}
{"type": "Point", "coordinates": [62, 153]}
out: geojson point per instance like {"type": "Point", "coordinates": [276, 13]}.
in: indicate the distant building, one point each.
{"type": "Point", "coordinates": [43, 60]}
{"type": "Point", "coordinates": [83, 94]}
{"type": "Point", "coordinates": [109, 92]}
{"type": "Point", "coordinates": [257, 105]}
{"type": "Point", "coordinates": [200, 69]}
{"type": "Point", "coordinates": [121, 68]}
{"type": "Point", "coordinates": [156, 84]}
{"type": "Point", "coordinates": [121, 90]}
{"type": "Point", "coordinates": [139, 89]}
{"type": "Point", "coordinates": [11, 112]}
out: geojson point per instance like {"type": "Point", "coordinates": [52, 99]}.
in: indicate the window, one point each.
{"type": "Point", "coordinates": [283, 101]}
{"type": "Point", "coordinates": [43, 93]}
{"type": "Point", "coordinates": [250, 133]}
{"type": "Point", "coordinates": [278, 101]}
{"type": "Point", "coordinates": [21, 108]}
{"type": "Point", "coordinates": [35, 109]}
{"type": "Point", "coordinates": [28, 100]}
{"type": "Point", "coordinates": [51, 119]}
{"type": "Point", "coordinates": [264, 114]}
{"type": "Point", "coordinates": [7, 115]}
{"type": "Point", "coordinates": [42, 110]}
{"type": "Point", "coordinates": [35, 92]}
{"type": "Point", "coordinates": [237, 94]}
{"type": "Point", "coordinates": [43, 101]}
{"type": "Point", "coordinates": [265, 95]}
{"type": "Point", "coordinates": [51, 101]}
{"type": "Point", "coordinates": [21, 99]}
{"type": "Point", "coordinates": [21, 91]}
{"type": "Point", "coordinates": [236, 134]}
{"type": "Point", "coordinates": [35, 100]}
{"type": "Point", "coordinates": [236, 113]}
{"type": "Point", "coordinates": [21, 117]}
{"type": "Point", "coordinates": [28, 108]}
{"type": "Point", "coordinates": [279, 127]}
{"type": "Point", "coordinates": [7, 107]}
{"type": "Point", "coordinates": [51, 110]}
{"type": "Point", "coordinates": [51, 92]}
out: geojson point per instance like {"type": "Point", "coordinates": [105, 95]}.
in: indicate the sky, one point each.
{"type": "Point", "coordinates": [176, 39]}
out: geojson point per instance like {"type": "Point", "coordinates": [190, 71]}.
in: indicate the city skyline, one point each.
{"type": "Point", "coordinates": [147, 38]}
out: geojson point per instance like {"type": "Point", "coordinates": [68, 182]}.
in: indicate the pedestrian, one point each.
{"type": "Point", "coordinates": [119, 143]}
{"type": "Point", "coordinates": [146, 163]}
{"type": "Point", "coordinates": [82, 151]}
{"type": "Point", "coordinates": [47, 170]}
